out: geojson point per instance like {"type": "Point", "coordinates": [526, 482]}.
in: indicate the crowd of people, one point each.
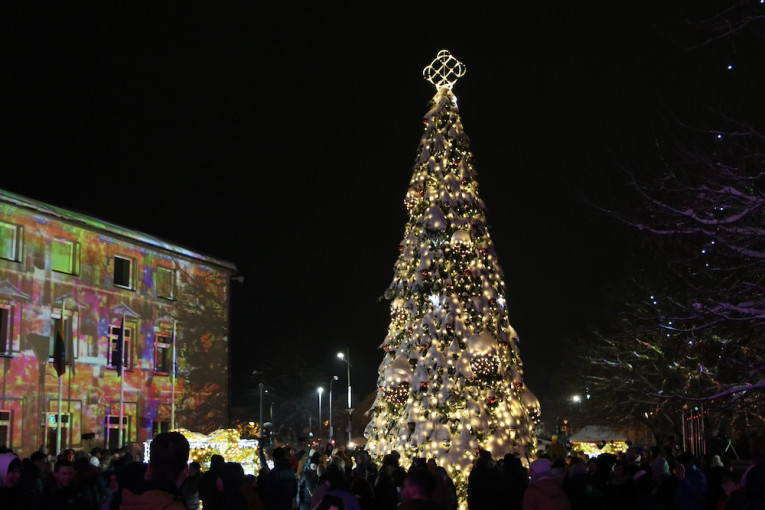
{"type": "Point", "coordinates": [640, 478]}
{"type": "Point", "coordinates": [653, 478]}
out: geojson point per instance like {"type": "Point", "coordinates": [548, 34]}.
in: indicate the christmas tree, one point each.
{"type": "Point", "coordinates": [451, 380]}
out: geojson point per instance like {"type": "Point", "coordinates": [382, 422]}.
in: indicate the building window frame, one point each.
{"type": "Point", "coordinates": [11, 241]}
{"type": "Point", "coordinates": [6, 426]}
{"type": "Point", "coordinates": [127, 353]}
{"type": "Point", "coordinates": [163, 354]}
{"type": "Point", "coordinates": [67, 258]}
{"type": "Point", "coordinates": [6, 330]}
{"type": "Point", "coordinates": [158, 426]}
{"type": "Point", "coordinates": [124, 271]}
{"type": "Point", "coordinates": [69, 333]}
{"type": "Point", "coordinates": [165, 282]}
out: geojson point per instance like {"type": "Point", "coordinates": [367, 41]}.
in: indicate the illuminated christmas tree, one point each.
{"type": "Point", "coordinates": [451, 380]}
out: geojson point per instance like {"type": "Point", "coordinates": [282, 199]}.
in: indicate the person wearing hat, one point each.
{"type": "Point", "coordinates": [10, 472]}
{"type": "Point", "coordinates": [556, 451]}
{"type": "Point", "coordinates": [544, 491]}
{"type": "Point", "coordinates": [309, 479]}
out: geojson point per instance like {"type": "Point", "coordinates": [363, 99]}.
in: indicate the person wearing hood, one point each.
{"type": "Point", "coordinates": [309, 479]}
{"type": "Point", "coordinates": [10, 472]}
{"type": "Point", "coordinates": [691, 490]}
{"type": "Point", "coordinates": [280, 484]}
{"type": "Point", "coordinates": [544, 491]}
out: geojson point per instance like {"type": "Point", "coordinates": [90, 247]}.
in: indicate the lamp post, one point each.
{"type": "Point", "coordinates": [576, 399]}
{"type": "Point", "coordinates": [331, 429]}
{"type": "Point", "coordinates": [260, 423]}
{"type": "Point", "coordinates": [259, 374]}
{"type": "Point", "coordinates": [347, 358]}
{"type": "Point", "coordinates": [319, 390]}
{"type": "Point", "coordinates": [261, 405]}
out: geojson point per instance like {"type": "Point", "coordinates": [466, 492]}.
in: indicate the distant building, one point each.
{"type": "Point", "coordinates": [69, 274]}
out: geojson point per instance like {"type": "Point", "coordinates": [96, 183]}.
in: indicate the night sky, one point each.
{"type": "Point", "coordinates": [282, 140]}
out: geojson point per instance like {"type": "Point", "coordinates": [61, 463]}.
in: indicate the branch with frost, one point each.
{"type": "Point", "coordinates": [747, 387]}
{"type": "Point", "coordinates": [725, 24]}
{"type": "Point", "coordinates": [723, 213]}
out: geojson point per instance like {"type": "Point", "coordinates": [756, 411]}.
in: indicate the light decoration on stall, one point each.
{"type": "Point", "coordinates": [225, 442]}
{"type": "Point", "coordinates": [451, 379]}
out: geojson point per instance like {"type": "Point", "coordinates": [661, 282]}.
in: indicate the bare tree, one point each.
{"type": "Point", "coordinates": [203, 329]}
{"type": "Point", "coordinates": [692, 326]}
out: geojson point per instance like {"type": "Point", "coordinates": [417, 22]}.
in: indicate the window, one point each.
{"type": "Point", "coordinates": [65, 256]}
{"type": "Point", "coordinates": [10, 241]}
{"type": "Point", "coordinates": [5, 331]}
{"type": "Point", "coordinates": [123, 272]}
{"type": "Point", "coordinates": [115, 439]}
{"type": "Point", "coordinates": [163, 352]}
{"type": "Point", "coordinates": [68, 339]}
{"type": "Point", "coordinates": [159, 426]}
{"type": "Point", "coordinates": [6, 421]}
{"type": "Point", "coordinates": [114, 335]}
{"type": "Point", "coordinates": [165, 282]}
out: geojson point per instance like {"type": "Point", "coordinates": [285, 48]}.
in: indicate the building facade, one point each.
{"type": "Point", "coordinates": [99, 290]}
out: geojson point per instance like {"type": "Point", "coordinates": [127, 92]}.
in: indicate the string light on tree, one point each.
{"type": "Point", "coordinates": [451, 378]}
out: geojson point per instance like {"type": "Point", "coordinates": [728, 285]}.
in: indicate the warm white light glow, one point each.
{"type": "Point", "coordinates": [444, 71]}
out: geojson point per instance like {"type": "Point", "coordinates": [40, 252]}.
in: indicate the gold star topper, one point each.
{"type": "Point", "coordinates": [444, 71]}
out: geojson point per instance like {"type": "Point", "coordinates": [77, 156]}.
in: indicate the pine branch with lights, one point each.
{"type": "Point", "coordinates": [451, 377]}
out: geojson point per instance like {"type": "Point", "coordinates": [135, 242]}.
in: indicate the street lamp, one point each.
{"type": "Point", "coordinates": [319, 390]}
{"type": "Point", "coordinates": [331, 429]}
{"type": "Point", "coordinates": [260, 386]}
{"type": "Point", "coordinates": [576, 399]}
{"type": "Point", "coordinates": [261, 409]}
{"type": "Point", "coordinates": [347, 358]}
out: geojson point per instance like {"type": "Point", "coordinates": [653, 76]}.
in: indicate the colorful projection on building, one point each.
{"type": "Point", "coordinates": [55, 264]}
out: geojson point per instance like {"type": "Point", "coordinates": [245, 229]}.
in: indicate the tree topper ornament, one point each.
{"type": "Point", "coordinates": [444, 71]}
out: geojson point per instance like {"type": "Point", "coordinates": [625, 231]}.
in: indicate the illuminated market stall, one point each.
{"type": "Point", "coordinates": [225, 442]}
{"type": "Point", "coordinates": [595, 439]}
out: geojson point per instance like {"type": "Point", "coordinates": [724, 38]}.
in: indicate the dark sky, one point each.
{"type": "Point", "coordinates": [282, 140]}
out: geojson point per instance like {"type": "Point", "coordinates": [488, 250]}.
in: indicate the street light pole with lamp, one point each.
{"type": "Point", "coordinates": [261, 409]}
{"type": "Point", "coordinates": [331, 429]}
{"type": "Point", "coordinates": [319, 390]}
{"type": "Point", "coordinates": [258, 373]}
{"type": "Point", "coordinates": [347, 358]}
{"type": "Point", "coordinates": [577, 400]}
